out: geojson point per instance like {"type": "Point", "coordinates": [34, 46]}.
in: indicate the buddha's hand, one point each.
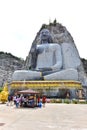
{"type": "Point", "coordinates": [57, 66]}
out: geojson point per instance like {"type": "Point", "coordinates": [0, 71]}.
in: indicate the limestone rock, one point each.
{"type": "Point", "coordinates": [8, 64]}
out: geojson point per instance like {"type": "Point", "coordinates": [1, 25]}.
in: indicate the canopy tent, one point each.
{"type": "Point", "coordinates": [30, 98]}
{"type": "Point", "coordinates": [28, 91]}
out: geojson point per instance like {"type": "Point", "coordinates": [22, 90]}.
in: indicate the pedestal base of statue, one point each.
{"type": "Point", "coordinates": [49, 88]}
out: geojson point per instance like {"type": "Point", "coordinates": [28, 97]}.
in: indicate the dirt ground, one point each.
{"type": "Point", "coordinates": [51, 117]}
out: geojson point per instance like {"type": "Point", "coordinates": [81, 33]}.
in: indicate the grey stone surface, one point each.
{"type": "Point", "coordinates": [70, 55]}
{"type": "Point", "coordinates": [50, 57]}
{"type": "Point", "coordinates": [64, 63]}
{"type": "Point", "coordinates": [22, 75]}
{"type": "Point", "coordinates": [68, 74]}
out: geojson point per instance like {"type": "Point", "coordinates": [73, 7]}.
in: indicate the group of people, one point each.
{"type": "Point", "coordinates": [41, 101]}
{"type": "Point", "coordinates": [26, 101]}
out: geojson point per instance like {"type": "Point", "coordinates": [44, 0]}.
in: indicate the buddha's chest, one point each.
{"type": "Point", "coordinates": [45, 59]}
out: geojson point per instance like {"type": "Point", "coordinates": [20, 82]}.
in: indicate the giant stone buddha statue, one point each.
{"type": "Point", "coordinates": [52, 61]}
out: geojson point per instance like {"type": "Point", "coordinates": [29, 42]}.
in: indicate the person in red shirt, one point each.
{"type": "Point", "coordinates": [44, 100]}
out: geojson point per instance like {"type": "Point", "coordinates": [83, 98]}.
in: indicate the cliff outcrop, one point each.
{"type": "Point", "coordinates": [8, 64]}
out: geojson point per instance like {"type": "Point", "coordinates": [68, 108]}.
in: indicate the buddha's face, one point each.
{"type": "Point", "coordinates": [45, 34]}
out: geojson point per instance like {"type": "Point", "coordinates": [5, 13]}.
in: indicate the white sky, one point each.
{"type": "Point", "coordinates": [20, 20]}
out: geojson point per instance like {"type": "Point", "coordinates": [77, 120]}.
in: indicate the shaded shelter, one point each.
{"type": "Point", "coordinates": [30, 98]}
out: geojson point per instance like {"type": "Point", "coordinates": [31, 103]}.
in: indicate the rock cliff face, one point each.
{"type": "Point", "coordinates": [84, 61]}
{"type": "Point", "coordinates": [8, 64]}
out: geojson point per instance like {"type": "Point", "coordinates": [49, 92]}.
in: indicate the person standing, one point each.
{"type": "Point", "coordinates": [44, 100]}
{"type": "Point", "coordinates": [9, 99]}
{"type": "Point", "coordinates": [17, 101]}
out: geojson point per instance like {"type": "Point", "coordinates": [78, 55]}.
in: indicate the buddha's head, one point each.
{"type": "Point", "coordinates": [45, 36]}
